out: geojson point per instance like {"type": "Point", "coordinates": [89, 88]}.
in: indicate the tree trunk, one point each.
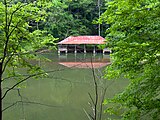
{"type": "Point", "coordinates": [1, 91]}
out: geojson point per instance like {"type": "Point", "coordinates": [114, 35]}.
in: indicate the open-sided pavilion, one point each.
{"type": "Point", "coordinates": [75, 41]}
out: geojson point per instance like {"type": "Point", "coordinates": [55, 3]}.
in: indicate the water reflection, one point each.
{"type": "Point", "coordinates": [65, 88]}
{"type": "Point", "coordinates": [96, 61]}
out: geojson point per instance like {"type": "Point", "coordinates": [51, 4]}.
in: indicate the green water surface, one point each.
{"type": "Point", "coordinates": [63, 95]}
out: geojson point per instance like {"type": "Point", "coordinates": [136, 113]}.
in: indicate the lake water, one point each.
{"type": "Point", "coordinates": [63, 95]}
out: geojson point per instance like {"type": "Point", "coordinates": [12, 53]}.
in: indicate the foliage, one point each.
{"type": "Point", "coordinates": [72, 17]}
{"type": "Point", "coordinates": [56, 19]}
{"type": "Point", "coordinates": [85, 12]}
{"type": "Point", "coordinates": [19, 41]}
{"type": "Point", "coordinates": [16, 35]}
{"type": "Point", "coordinates": [134, 36]}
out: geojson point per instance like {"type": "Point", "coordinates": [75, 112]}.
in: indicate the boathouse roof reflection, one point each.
{"type": "Point", "coordinates": [84, 62]}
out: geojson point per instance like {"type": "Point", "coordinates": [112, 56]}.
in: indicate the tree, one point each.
{"type": "Point", "coordinates": [19, 41]}
{"type": "Point", "coordinates": [134, 36]}
{"type": "Point", "coordinates": [84, 13]}
{"type": "Point", "coordinates": [57, 19]}
{"type": "Point", "coordinates": [73, 17]}
{"type": "Point", "coordinates": [65, 20]}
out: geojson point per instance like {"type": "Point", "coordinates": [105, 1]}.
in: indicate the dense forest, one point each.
{"type": "Point", "coordinates": [70, 18]}
{"type": "Point", "coordinates": [131, 27]}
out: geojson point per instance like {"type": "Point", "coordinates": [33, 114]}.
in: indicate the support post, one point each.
{"type": "Point", "coordinates": [66, 50]}
{"type": "Point", "coordinates": [75, 50]}
{"type": "Point", "coordinates": [94, 50]}
{"type": "Point", "coordinates": [59, 52]}
{"type": "Point", "coordinates": [84, 48]}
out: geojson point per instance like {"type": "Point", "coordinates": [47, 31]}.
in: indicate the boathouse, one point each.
{"type": "Point", "coordinates": [82, 44]}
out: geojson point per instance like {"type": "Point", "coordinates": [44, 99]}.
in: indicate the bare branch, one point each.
{"type": "Point", "coordinates": [17, 84]}
{"type": "Point", "coordinates": [28, 102]}
{"type": "Point", "coordinates": [88, 115]}
{"type": "Point", "coordinates": [101, 103]}
{"type": "Point", "coordinates": [91, 98]}
{"type": "Point", "coordinates": [96, 92]}
{"type": "Point", "coordinates": [28, 77]}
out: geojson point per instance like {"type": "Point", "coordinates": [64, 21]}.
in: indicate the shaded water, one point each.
{"type": "Point", "coordinates": [63, 95]}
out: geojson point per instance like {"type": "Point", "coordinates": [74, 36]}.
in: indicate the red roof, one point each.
{"type": "Point", "coordinates": [83, 40]}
